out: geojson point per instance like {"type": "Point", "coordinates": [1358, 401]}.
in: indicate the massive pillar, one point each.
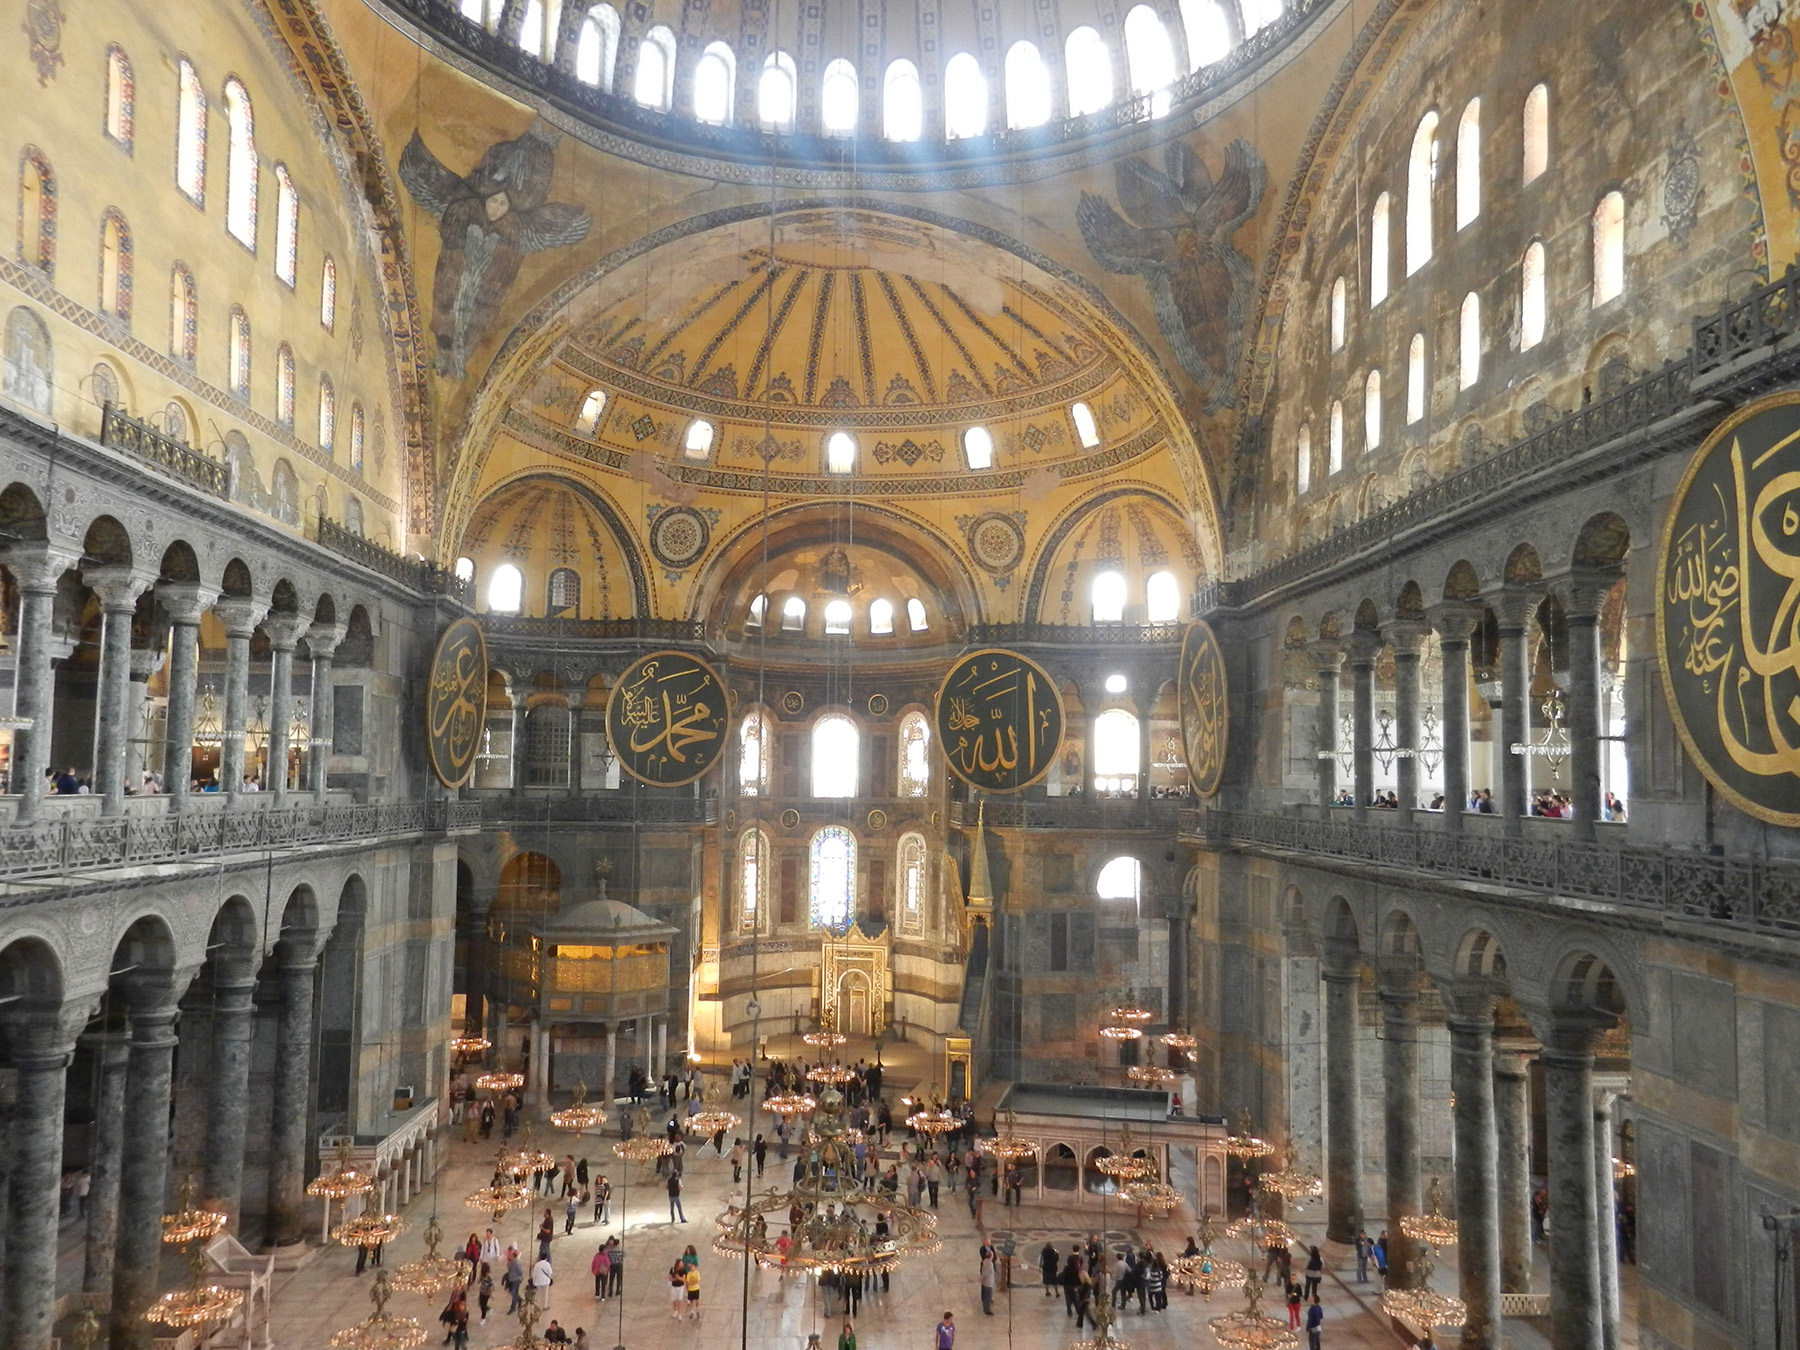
{"type": "Point", "coordinates": [295, 960]}
{"type": "Point", "coordinates": [145, 662]}
{"type": "Point", "coordinates": [35, 569]}
{"type": "Point", "coordinates": [1575, 1297]}
{"type": "Point", "coordinates": [1606, 1225]}
{"type": "Point", "coordinates": [1477, 1186]}
{"type": "Point", "coordinates": [575, 744]}
{"type": "Point", "coordinates": [1327, 658]}
{"type": "Point", "coordinates": [1515, 609]}
{"type": "Point", "coordinates": [144, 1172]}
{"type": "Point", "coordinates": [240, 615]}
{"type": "Point", "coordinates": [1343, 1186]}
{"type": "Point", "coordinates": [117, 588]}
{"type": "Point", "coordinates": [283, 630]}
{"type": "Point", "coordinates": [228, 1111]}
{"type": "Point", "coordinates": [184, 602]}
{"type": "Point", "coordinates": [1407, 636]}
{"type": "Point", "coordinates": [612, 1065]}
{"type": "Point", "coordinates": [321, 644]}
{"type": "Point", "coordinates": [1587, 593]}
{"type": "Point", "coordinates": [1454, 621]}
{"type": "Point", "coordinates": [1364, 648]}
{"type": "Point", "coordinates": [40, 1051]}
{"type": "Point", "coordinates": [112, 1051]}
{"type": "Point", "coordinates": [1400, 1080]}
{"type": "Point", "coordinates": [1512, 1134]}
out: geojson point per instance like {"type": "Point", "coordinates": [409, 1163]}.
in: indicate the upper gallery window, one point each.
{"type": "Point", "coordinates": [978, 448]}
{"type": "Point", "coordinates": [1120, 879]}
{"type": "Point", "coordinates": [287, 226]}
{"type": "Point", "coordinates": [1415, 378]}
{"type": "Point", "coordinates": [714, 79]}
{"type": "Point", "coordinates": [833, 877]}
{"type": "Point", "coordinates": [1086, 431]}
{"type": "Point", "coordinates": [190, 135]}
{"type": "Point", "coordinates": [912, 885]}
{"type": "Point", "coordinates": [775, 93]}
{"type": "Point", "coordinates": [915, 756]}
{"type": "Point", "coordinates": [1087, 66]}
{"type": "Point", "coordinates": [562, 593]}
{"type": "Point", "coordinates": [531, 31]}
{"type": "Point", "coordinates": [753, 879]}
{"type": "Point", "coordinates": [115, 266]}
{"type": "Point", "coordinates": [1162, 598]}
{"type": "Point", "coordinates": [881, 617]}
{"type": "Point", "coordinates": [119, 95]}
{"type": "Point", "coordinates": [1027, 87]}
{"type": "Point", "coordinates": [915, 615]}
{"type": "Point", "coordinates": [357, 431]}
{"type": "Point", "coordinates": [965, 98]}
{"type": "Point", "coordinates": [1372, 411]}
{"type": "Point", "coordinates": [654, 85]}
{"type": "Point", "coordinates": [240, 165]}
{"type": "Point", "coordinates": [1108, 596]}
{"type": "Point", "coordinates": [838, 99]}
{"type": "Point", "coordinates": [1421, 173]}
{"type": "Point", "coordinates": [1536, 133]}
{"type": "Point", "coordinates": [1468, 165]}
{"type": "Point", "coordinates": [837, 616]}
{"type": "Point", "coordinates": [596, 50]}
{"type": "Point", "coordinates": [793, 614]}
{"type": "Point", "coordinates": [37, 213]}
{"type": "Point", "coordinates": [1609, 248]}
{"type": "Point", "coordinates": [284, 385]}
{"type": "Point", "coordinates": [1531, 296]}
{"type": "Point", "coordinates": [327, 415]}
{"type": "Point", "coordinates": [1303, 461]}
{"type": "Point", "coordinates": [1378, 251]}
{"type": "Point", "coordinates": [1469, 347]}
{"type": "Point", "coordinates": [238, 361]}
{"type": "Point", "coordinates": [699, 441]}
{"type": "Point", "coordinates": [1337, 320]}
{"type": "Point", "coordinates": [1334, 435]}
{"type": "Point", "coordinates": [328, 294]}
{"type": "Point", "coordinates": [1208, 33]}
{"type": "Point", "coordinates": [753, 755]}
{"type": "Point", "coordinates": [587, 422]}
{"type": "Point", "coordinates": [835, 747]}
{"type": "Point", "coordinates": [840, 453]}
{"type": "Point", "coordinates": [1149, 55]}
{"type": "Point", "coordinates": [506, 589]}
{"type": "Point", "coordinates": [184, 313]}
{"type": "Point", "coordinates": [902, 103]}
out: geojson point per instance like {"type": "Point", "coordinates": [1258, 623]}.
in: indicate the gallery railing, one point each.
{"type": "Point", "coordinates": [503, 806]}
{"type": "Point", "coordinates": [121, 431]}
{"type": "Point", "coordinates": [411, 572]}
{"type": "Point", "coordinates": [1074, 813]}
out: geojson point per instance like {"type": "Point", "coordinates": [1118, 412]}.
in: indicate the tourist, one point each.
{"type": "Point", "coordinates": [542, 1277]}
{"type": "Point", "coordinates": [569, 1207]}
{"type": "Point", "coordinates": [581, 1340]}
{"type": "Point", "coordinates": [737, 1161]}
{"type": "Point", "coordinates": [456, 1316]}
{"type": "Point", "coordinates": [513, 1279]}
{"type": "Point", "coordinates": [1362, 1256]}
{"type": "Point", "coordinates": [546, 1231]}
{"type": "Point", "coordinates": [1315, 1271]}
{"type": "Point", "coordinates": [677, 1291]}
{"type": "Point", "coordinates": [847, 1338]}
{"type": "Point", "coordinates": [1315, 1319]}
{"type": "Point", "coordinates": [1540, 1211]}
{"type": "Point", "coordinates": [675, 1208]}
{"type": "Point", "coordinates": [1048, 1268]}
{"type": "Point", "coordinates": [946, 1333]}
{"type": "Point", "coordinates": [987, 1279]}
{"type": "Point", "coordinates": [490, 1249]}
{"type": "Point", "coordinates": [761, 1149]}
{"type": "Point", "coordinates": [1381, 1255]}
{"type": "Point", "coordinates": [603, 1201]}
{"type": "Point", "coordinates": [601, 1266]}
{"type": "Point", "coordinates": [1293, 1306]}
{"type": "Point", "coordinates": [484, 1292]}
{"type": "Point", "coordinates": [692, 1280]}
{"type": "Point", "coordinates": [472, 1254]}
{"type": "Point", "coordinates": [934, 1177]}
{"type": "Point", "coordinates": [554, 1334]}
{"type": "Point", "coordinates": [1071, 1279]}
{"type": "Point", "coordinates": [617, 1288]}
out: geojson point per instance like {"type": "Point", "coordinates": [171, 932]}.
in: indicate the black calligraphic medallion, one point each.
{"type": "Point", "coordinates": [1728, 609]}
{"type": "Point", "coordinates": [666, 718]}
{"type": "Point", "coordinates": [456, 702]}
{"type": "Point", "coordinates": [1000, 718]}
{"type": "Point", "coordinates": [1204, 715]}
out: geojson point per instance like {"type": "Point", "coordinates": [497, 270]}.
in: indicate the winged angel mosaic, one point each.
{"type": "Point", "coordinates": [1176, 233]}
{"type": "Point", "coordinates": [488, 219]}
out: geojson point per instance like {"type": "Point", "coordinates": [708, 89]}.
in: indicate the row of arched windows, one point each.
{"type": "Point", "coordinates": [840, 615]}
{"type": "Point", "coordinates": [836, 756]}
{"type": "Point", "coordinates": [831, 880]}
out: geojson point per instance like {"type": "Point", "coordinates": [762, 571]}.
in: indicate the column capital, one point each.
{"type": "Point", "coordinates": [36, 565]}
{"type": "Point", "coordinates": [1340, 960]}
{"type": "Point", "coordinates": [1583, 590]}
{"type": "Point", "coordinates": [1515, 603]}
{"type": "Point", "coordinates": [1406, 636]}
{"type": "Point", "coordinates": [239, 614]}
{"type": "Point", "coordinates": [284, 629]}
{"type": "Point", "coordinates": [1454, 620]}
{"type": "Point", "coordinates": [322, 640]}
{"type": "Point", "coordinates": [1468, 1003]}
{"type": "Point", "coordinates": [185, 601]}
{"type": "Point", "coordinates": [1570, 1033]}
{"type": "Point", "coordinates": [117, 585]}
{"type": "Point", "coordinates": [44, 1038]}
{"type": "Point", "coordinates": [145, 662]}
{"type": "Point", "coordinates": [1327, 655]}
{"type": "Point", "coordinates": [1364, 646]}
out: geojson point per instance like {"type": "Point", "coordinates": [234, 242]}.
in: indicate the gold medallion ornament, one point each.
{"type": "Point", "coordinates": [666, 719]}
{"type": "Point", "coordinates": [1204, 714]}
{"type": "Point", "coordinates": [456, 702]}
{"type": "Point", "coordinates": [1000, 718]}
{"type": "Point", "coordinates": [1728, 584]}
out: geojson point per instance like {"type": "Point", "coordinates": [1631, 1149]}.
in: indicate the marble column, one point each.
{"type": "Point", "coordinates": [1143, 709]}
{"type": "Point", "coordinates": [112, 1052]}
{"type": "Point", "coordinates": [321, 644]}
{"type": "Point", "coordinates": [293, 1073]}
{"type": "Point", "coordinates": [239, 614]}
{"type": "Point", "coordinates": [1400, 1075]}
{"type": "Point", "coordinates": [1477, 1184]}
{"type": "Point", "coordinates": [145, 662]}
{"type": "Point", "coordinates": [35, 569]}
{"type": "Point", "coordinates": [1512, 1135]}
{"type": "Point", "coordinates": [117, 588]}
{"type": "Point", "coordinates": [1364, 648]}
{"type": "Point", "coordinates": [144, 1171]}
{"type": "Point", "coordinates": [1407, 637]}
{"type": "Point", "coordinates": [537, 1085]}
{"type": "Point", "coordinates": [662, 1044]}
{"type": "Point", "coordinates": [1327, 658]}
{"type": "Point", "coordinates": [1582, 714]}
{"type": "Point", "coordinates": [228, 1111]}
{"type": "Point", "coordinates": [283, 632]}
{"type": "Point", "coordinates": [1516, 610]}
{"type": "Point", "coordinates": [1606, 1225]}
{"type": "Point", "coordinates": [1575, 1297]}
{"type": "Point", "coordinates": [1343, 1186]}
{"type": "Point", "coordinates": [1453, 622]}
{"type": "Point", "coordinates": [184, 602]}
{"type": "Point", "coordinates": [40, 1053]}
{"type": "Point", "coordinates": [612, 1066]}
{"type": "Point", "coordinates": [575, 745]}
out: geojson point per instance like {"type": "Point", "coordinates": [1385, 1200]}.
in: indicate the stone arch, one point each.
{"type": "Point", "coordinates": [106, 541]}
{"type": "Point", "coordinates": [1603, 541]}
{"type": "Point", "coordinates": [180, 562]}
{"type": "Point", "coordinates": [1479, 956]}
{"type": "Point", "coordinates": [237, 579]}
{"type": "Point", "coordinates": [1331, 626]}
{"type": "Point", "coordinates": [1462, 581]}
{"type": "Point", "coordinates": [1523, 565]}
{"type": "Point", "coordinates": [1410, 604]}
{"type": "Point", "coordinates": [22, 513]}
{"type": "Point", "coordinates": [530, 882]}
{"type": "Point", "coordinates": [235, 934]}
{"type": "Point", "coordinates": [31, 976]}
{"type": "Point", "coordinates": [1340, 929]}
{"type": "Point", "coordinates": [1583, 980]}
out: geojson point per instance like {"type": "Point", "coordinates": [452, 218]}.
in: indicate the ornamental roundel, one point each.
{"type": "Point", "coordinates": [1728, 583]}
{"type": "Point", "coordinates": [666, 719]}
{"type": "Point", "coordinates": [878, 705]}
{"type": "Point", "coordinates": [999, 717]}
{"type": "Point", "coordinates": [678, 536]}
{"type": "Point", "coordinates": [878, 820]}
{"type": "Point", "coordinates": [793, 703]}
{"type": "Point", "coordinates": [996, 542]}
{"type": "Point", "coordinates": [456, 702]}
{"type": "Point", "coordinates": [1200, 690]}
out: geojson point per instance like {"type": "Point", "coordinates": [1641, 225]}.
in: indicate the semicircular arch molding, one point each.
{"type": "Point", "coordinates": [1155, 526]}
{"type": "Point", "coordinates": [514, 496]}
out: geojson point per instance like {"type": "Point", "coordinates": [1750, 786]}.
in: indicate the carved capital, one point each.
{"type": "Point", "coordinates": [1584, 590]}
{"type": "Point", "coordinates": [1365, 646]}
{"type": "Point", "coordinates": [1454, 620]}
{"type": "Point", "coordinates": [1326, 656]}
{"type": "Point", "coordinates": [37, 566]}
{"type": "Point", "coordinates": [145, 662]}
{"type": "Point", "coordinates": [284, 629]}
{"type": "Point", "coordinates": [240, 614]}
{"type": "Point", "coordinates": [185, 601]}
{"type": "Point", "coordinates": [322, 640]}
{"type": "Point", "coordinates": [1406, 637]}
{"type": "Point", "coordinates": [1516, 605]}
{"type": "Point", "coordinates": [117, 586]}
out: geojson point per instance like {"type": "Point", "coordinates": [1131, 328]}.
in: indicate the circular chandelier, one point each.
{"type": "Point", "coordinates": [1126, 1021]}
{"type": "Point", "coordinates": [1183, 1041]}
{"type": "Point", "coordinates": [824, 1038]}
{"type": "Point", "coordinates": [431, 1274]}
{"type": "Point", "coordinates": [1293, 1186]}
{"type": "Point", "coordinates": [1119, 1031]}
{"type": "Point", "coordinates": [712, 1118]}
{"type": "Point", "coordinates": [378, 1331]}
{"type": "Point", "coordinates": [527, 1158]}
{"type": "Point", "coordinates": [790, 1104]}
{"type": "Point", "coordinates": [643, 1146]}
{"type": "Point", "coordinates": [1006, 1146]}
{"type": "Point", "coordinates": [470, 1045]}
{"type": "Point", "coordinates": [1151, 1075]}
{"type": "Point", "coordinates": [500, 1082]}
{"type": "Point", "coordinates": [1245, 1146]}
{"type": "Point", "coordinates": [1103, 1339]}
{"type": "Point", "coordinates": [189, 1224]}
{"type": "Point", "coordinates": [834, 1074]}
{"type": "Point", "coordinates": [1250, 1328]}
{"type": "Point", "coordinates": [1421, 1305]}
{"type": "Point", "coordinates": [371, 1228]}
{"type": "Point", "coordinates": [1433, 1229]}
{"type": "Point", "coordinates": [1125, 1165]}
{"type": "Point", "coordinates": [343, 1183]}
{"type": "Point", "coordinates": [1203, 1270]}
{"type": "Point", "coordinates": [200, 1303]}
{"type": "Point", "coordinates": [1262, 1230]}
{"type": "Point", "coordinates": [498, 1196]}
{"type": "Point", "coordinates": [1151, 1194]}
{"type": "Point", "coordinates": [933, 1119]}
{"type": "Point", "coordinates": [578, 1115]}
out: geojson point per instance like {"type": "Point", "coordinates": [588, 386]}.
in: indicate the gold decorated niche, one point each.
{"type": "Point", "coordinates": [856, 981]}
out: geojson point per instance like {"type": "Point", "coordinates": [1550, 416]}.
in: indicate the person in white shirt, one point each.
{"type": "Point", "coordinates": [542, 1277]}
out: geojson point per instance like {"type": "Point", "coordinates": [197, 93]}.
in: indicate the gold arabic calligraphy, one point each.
{"type": "Point", "coordinates": [457, 701]}
{"type": "Point", "coordinates": [1001, 720]}
{"type": "Point", "coordinates": [1203, 708]}
{"type": "Point", "coordinates": [668, 719]}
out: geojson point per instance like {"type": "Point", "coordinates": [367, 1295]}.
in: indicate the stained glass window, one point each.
{"type": "Point", "coordinates": [912, 885]}
{"type": "Point", "coordinates": [915, 756]}
{"type": "Point", "coordinates": [833, 876]}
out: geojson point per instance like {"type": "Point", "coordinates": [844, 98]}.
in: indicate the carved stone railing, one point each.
{"type": "Point", "coordinates": [121, 431]}
{"type": "Point", "coordinates": [413, 573]}
{"type": "Point", "coordinates": [499, 627]}
{"type": "Point", "coordinates": [1761, 896]}
{"type": "Point", "coordinates": [1743, 327]}
{"type": "Point", "coordinates": [1074, 813]}
{"type": "Point", "coordinates": [70, 844]}
{"type": "Point", "coordinates": [1075, 635]}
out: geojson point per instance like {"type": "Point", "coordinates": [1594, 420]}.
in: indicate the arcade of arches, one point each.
{"type": "Point", "coordinates": [829, 344]}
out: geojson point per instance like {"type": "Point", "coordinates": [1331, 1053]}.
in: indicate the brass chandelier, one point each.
{"type": "Point", "coordinates": [371, 1228]}
{"type": "Point", "coordinates": [1006, 1146]}
{"type": "Point", "coordinates": [933, 1119]}
{"type": "Point", "coordinates": [579, 1115]}
{"type": "Point", "coordinates": [431, 1274]}
{"type": "Point", "coordinates": [1245, 1146]}
{"type": "Point", "coordinates": [1125, 1165]}
{"type": "Point", "coordinates": [1432, 1228]}
{"type": "Point", "coordinates": [1207, 1272]}
{"type": "Point", "coordinates": [713, 1118]}
{"type": "Point", "coordinates": [644, 1145]}
{"type": "Point", "coordinates": [1250, 1328]}
{"type": "Point", "coordinates": [345, 1182]}
{"type": "Point", "coordinates": [500, 1081]}
{"type": "Point", "coordinates": [470, 1045]}
{"type": "Point", "coordinates": [200, 1303]}
{"type": "Point", "coordinates": [378, 1331]}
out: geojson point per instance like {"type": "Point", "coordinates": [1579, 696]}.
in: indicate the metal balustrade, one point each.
{"type": "Point", "coordinates": [120, 431]}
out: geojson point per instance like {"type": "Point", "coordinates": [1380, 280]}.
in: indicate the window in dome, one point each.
{"type": "Point", "coordinates": [1087, 65]}
{"type": "Point", "coordinates": [838, 97]}
{"type": "Point", "coordinates": [654, 84]}
{"type": "Point", "coordinates": [698, 444]}
{"type": "Point", "coordinates": [840, 453]}
{"type": "Point", "coordinates": [184, 315]}
{"type": "Point", "coordinates": [1537, 133]}
{"type": "Point", "coordinates": [881, 617]}
{"type": "Point", "coordinates": [1378, 251]}
{"type": "Point", "coordinates": [119, 97]}
{"type": "Point", "coordinates": [1469, 348]}
{"type": "Point", "coordinates": [753, 755]}
{"type": "Point", "coordinates": [1609, 248]}
{"type": "Point", "coordinates": [1421, 173]}
{"type": "Point", "coordinates": [1149, 55]}
{"type": "Point", "coordinates": [115, 266]}
{"type": "Point", "coordinates": [1334, 450]}
{"type": "Point", "coordinates": [753, 880]}
{"type": "Point", "coordinates": [37, 213]}
{"type": "Point", "coordinates": [287, 226]}
{"type": "Point", "coordinates": [284, 385]}
{"type": "Point", "coordinates": [1120, 879]}
{"type": "Point", "coordinates": [1337, 317]}
{"type": "Point", "coordinates": [465, 569]}
{"type": "Point", "coordinates": [1162, 598]}
{"type": "Point", "coordinates": [328, 294]}
{"type": "Point", "coordinates": [596, 50]}
{"type": "Point", "coordinates": [1415, 379]}
{"type": "Point", "coordinates": [912, 885]}
{"type": "Point", "coordinates": [357, 433]}
{"type": "Point", "coordinates": [190, 135]}
{"type": "Point", "coordinates": [775, 93]}
{"type": "Point", "coordinates": [915, 615]}
{"type": "Point", "coordinates": [837, 616]}
{"type": "Point", "coordinates": [506, 589]}
{"type": "Point", "coordinates": [793, 614]}
{"type": "Point", "coordinates": [1259, 14]}
{"type": "Point", "coordinates": [833, 876]}
{"type": "Point", "coordinates": [238, 359]}
{"type": "Point", "coordinates": [1303, 461]}
{"type": "Point", "coordinates": [965, 98]}
{"type": "Point", "coordinates": [1117, 683]}
{"type": "Point", "coordinates": [1531, 296]}
{"type": "Point", "coordinates": [713, 81]}
{"type": "Point", "coordinates": [915, 755]}
{"type": "Point", "coordinates": [1085, 428]}
{"type": "Point", "coordinates": [327, 415]}
{"type": "Point", "coordinates": [563, 592]}
{"type": "Point", "coordinates": [1116, 747]}
{"type": "Point", "coordinates": [1208, 33]}
{"type": "Point", "coordinates": [1372, 411]}
{"type": "Point", "coordinates": [978, 448]}
{"type": "Point", "coordinates": [835, 770]}
{"type": "Point", "coordinates": [1468, 165]}
{"type": "Point", "coordinates": [591, 409]}
{"type": "Point", "coordinates": [1108, 596]}
{"type": "Point", "coordinates": [758, 607]}
{"type": "Point", "coordinates": [902, 103]}
{"type": "Point", "coordinates": [1027, 87]}
{"type": "Point", "coordinates": [240, 165]}
{"type": "Point", "coordinates": [531, 31]}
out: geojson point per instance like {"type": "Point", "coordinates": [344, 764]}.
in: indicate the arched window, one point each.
{"type": "Point", "coordinates": [753, 755]}
{"type": "Point", "coordinates": [1415, 379]}
{"type": "Point", "coordinates": [915, 755]}
{"type": "Point", "coordinates": [1372, 411]}
{"type": "Point", "coordinates": [1609, 248]}
{"type": "Point", "coordinates": [1378, 251]}
{"type": "Point", "coordinates": [837, 616]}
{"type": "Point", "coordinates": [840, 453]}
{"type": "Point", "coordinates": [965, 98]}
{"type": "Point", "coordinates": [753, 880]}
{"type": "Point", "coordinates": [912, 885]}
{"type": "Point", "coordinates": [119, 97]}
{"type": "Point", "coordinates": [190, 135]}
{"type": "Point", "coordinates": [1259, 14]}
{"type": "Point", "coordinates": [284, 385]}
{"type": "Point", "coordinates": [1120, 879]}
{"type": "Point", "coordinates": [238, 361]}
{"type": "Point", "coordinates": [655, 82]}
{"type": "Point", "coordinates": [793, 614]}
{"type": "Point", "coordinates": [1108, 596]}
{"type": "Point", "coordinates": [328, 294]}
{"type": "Point", "coordinates": [915, 615]}
{"type": "Point", "coordinates": [1334, 437]}
{"type": "Point", "coordinates": [881, 617]}
{"type": "Point", "coordinates": [833, 877]}
{"type": "Point", "coordinates": [184, 315]}
{"type": "Point", "coordinates": [597, 47]}
{"type": "Point", "coordinates": [775, 92]}
{"type": "Point", "coordinates": [37, 213]}
{"type": "Point", "coordinates": [1421, 173]}
{"type": "Point", "coordinates": [838, 99]}
{"type": "Point", "coordinates": [465, 569]}
{"type": "Point", "coordinates": [699, 440]}
{"type": "Point", "coordinates": [1149, 55]}
{"type": "Point", "coordinates": [287, 226]}
{"type": "Point", "coordinates": [902, 102]}
{"type": "Point", "coordinates": [1087, 66]}
{"type": "Point", "coordinates": [1086, 430]}
{"type": "Point", "coordinates": [27, 376]}
{"type": "Point", "coordinates": [1468, 164]}
{"type": "Point", "coordinates": [1027, 87]}
{"type": "Point", "coordinates": [1531, 296]}
{"type": "Point", "coordinates": [758, 607]}
{"type": "Point", "coordinates": [715, 80]}
{"type": "Point", "coordinates": [1337, 319]}
{"type": "Point", "coordinates": [357, 432]}
{"type": "Point", "coordinates": [1469, 346]}
{"type": "Point", "coordinates": [1208, 34]}
{"type": "Point", "coordinates": [562, 592]}
{"type": "Point", "coordinates": [835, 747]}
{"type": "Point", "coordinates": [506, 589]}
{"type": "Point", "coordinates": [1303, 461]}
{"type": "Point", "coordinates": [1162, 598]}
{"type": "Point", "coordinates": [531, 31]}
{"type": "Point", "coordinates": [1537, 133]}
{"type": "Point", "coordinates": [353, 516]}
{"type": "Point", "coordinates": [1116, 750]}
{"type": "Point", "coordinates": [115, 266]}
{"type": "Point", "coordinates": [327, 414]}
{"type": "Point", "coordinates": [587, 422]}
{"type": "Point", "coordinates": [978, 448]}
{"type": "Point", "coordinates": [240, 165]}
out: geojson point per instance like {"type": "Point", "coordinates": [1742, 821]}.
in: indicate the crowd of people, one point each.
{"type": "Point", "coordinates": [1545, 803]}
